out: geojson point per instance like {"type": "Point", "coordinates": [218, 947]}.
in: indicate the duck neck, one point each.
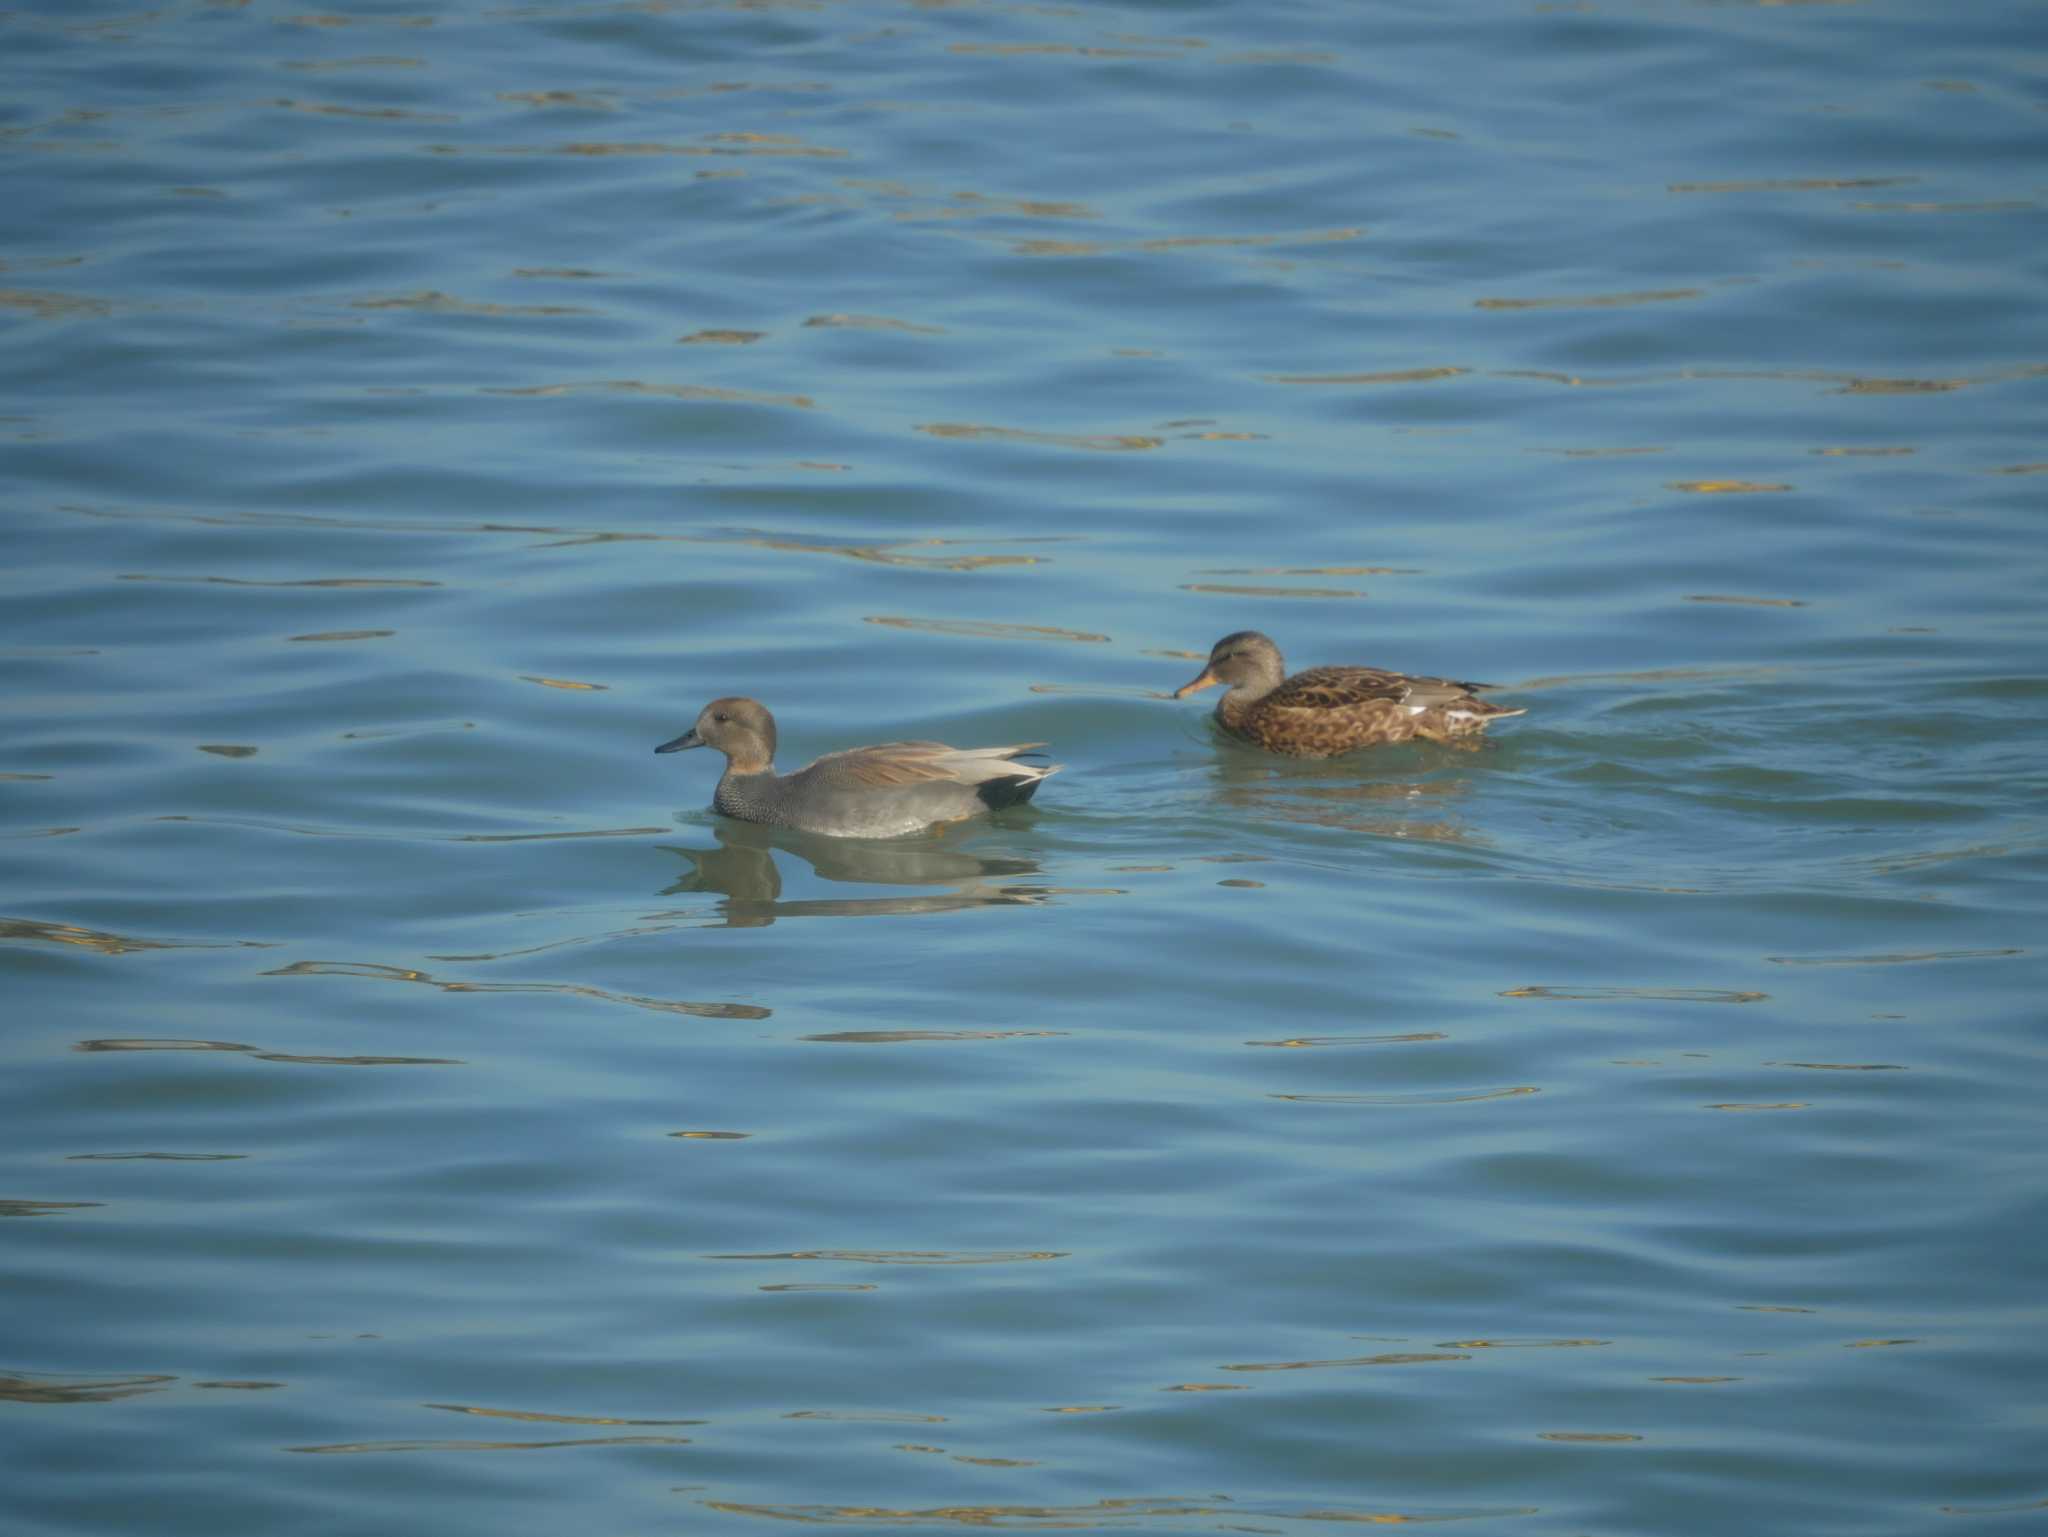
{"type": "Point", "coordinates": [743, 789]}
{"type": "Point", "coordinates": [1246, 692]}
{"type": "Point", "coordinates": [1230, 709]}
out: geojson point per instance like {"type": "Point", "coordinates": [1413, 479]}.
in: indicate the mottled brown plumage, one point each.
{"type": "Point", "coordinates": [1327, 710]}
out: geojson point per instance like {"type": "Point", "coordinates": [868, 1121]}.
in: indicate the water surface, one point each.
{"type": "Point", "coordinates": [417, 414]}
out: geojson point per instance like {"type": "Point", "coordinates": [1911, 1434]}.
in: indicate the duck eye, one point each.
{"type": "Point", "coordinates": [721, 715]}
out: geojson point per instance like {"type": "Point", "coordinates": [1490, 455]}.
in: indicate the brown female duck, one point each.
{"type": "Point", "coordinates": [1328, 710]}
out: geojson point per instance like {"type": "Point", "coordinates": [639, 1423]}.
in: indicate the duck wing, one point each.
{"type": "Point", "coordinates": [1344, 688]}
{"type": "Point", "coordinates": [899, 765]}
{"type": "Point", "coordinates": [1341, 688]}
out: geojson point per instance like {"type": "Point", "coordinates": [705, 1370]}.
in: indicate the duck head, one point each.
{"type": "Point", "coordinates": [742, 729]}
{"type": "Point", "coordinates": [1245, 659]}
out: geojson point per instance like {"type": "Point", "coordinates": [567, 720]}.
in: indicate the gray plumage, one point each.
{"type": "Point", "coordinates": [884, 791]}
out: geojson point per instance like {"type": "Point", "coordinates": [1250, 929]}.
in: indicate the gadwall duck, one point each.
{"type": "Point", "coordinates": [1328, 710]}
{"type": "Point", "coordinates": [883, 791]}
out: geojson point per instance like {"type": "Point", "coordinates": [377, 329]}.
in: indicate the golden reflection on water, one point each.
{"type": "Point", "coordinates": [713, 145]}
{"type": "Point", "coordinates": [366, 61]}
{"type": "Point", "coordinates": [821, 1286]}
{"type": "Point", "coordinates": [49, 306]}
{"type": "Point", "coordinates": [964, 204]}
{"type": "Point", "coordinates": [882, 552]}
{"type": "Point", "coordinates": [1102, 442]}
{"type": "Point", "coordinates": [873, 323]}
{"type": "Point", "coordinates": [438, 303]}
{"type": "Point", "coordinates": [901, 1037]}
{"type": "Point", "coordinates": [1109, 1512]}
{"type": "Point", "coordinates": [1803, 184]}
{"type": "Point", "coordinates": [103, 943]}
{"type": "Point", "coordinates": [1785, 1105]}
{"type": "Point", "coordinates": [1392, 376]}
{"type": "Point", "coordinates": [567, 683]}
{"type": "Point", "coordinates": [891, 554]}
{"type": "Point", "coordinates": [1409, 1099]}
{"type": "Point", "coordinates": [595, 101]}
{"type": "Point", "coordinates": [1845, 384]}
{"type": "Point", "coordinates": [65, 1388]}
{"type": "Point", "coordinates": [1844, 1067]}
{"type": "Point", "coordinates": [1297, 571]}
{"type": "Point", "coordinates": [695, 392]}
{"type": "Point", "coordinates": [378, 972]}
{"type": "Point", "coordinates": [1903, 386]}
{"type": "Point", "coordinates": [1489, 1344]}
{"type": "Point", "coordinates": [873, 1416]}
{"type": "Point", "coordinates": [2009, 205]}
{"type": "Point", "coordinates": [1593, 301]}
{"type": "Point", "coordinates": [164, 1043]}
{"type": "Point", "coordinates": [1104, 1514]}
{"type": "Point", "coordinates": [1897, 958]}
{"type": "Point", "coordinates": [885, 554]}
{"type": "Point", "coordinates": [335, 109]}
{"type": "Point", "coordinates": [20, 1208]}
{"type": "Point", "coordinates": [1300, 1041]}
{"type": "Point", "coordinates": [1391, 1358]}
{"type": "Point", "coordinates": [344, 1448]}
{"type": "Point", "coordinates": [552, 1419]}
{"type": "Point", "coordinates": [1073, 50]}
{"type": "Point", "coordinates": [1043, 247]}
{"type": "Point", "coordinates": [1271, 592]}
{"type": "Point", "coordinates": [1993, 1510]}
{"type": "Point", "coordinates": [1727, 487]}
{"type": "Point", "coordinates": [1637, 994]}
{"type": "Point", "coordinates": [1604, 453]}
{"type": "Point", "coordinates": [1601, 1437]}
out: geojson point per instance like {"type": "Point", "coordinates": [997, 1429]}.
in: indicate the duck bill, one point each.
{"type": "Point", "coordinates": [1208, 679]}
{"type": "Point", "coordinates": [682, 743]}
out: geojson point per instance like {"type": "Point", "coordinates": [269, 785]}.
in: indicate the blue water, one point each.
{"type": "Point", "coordinates": [420, 1113]}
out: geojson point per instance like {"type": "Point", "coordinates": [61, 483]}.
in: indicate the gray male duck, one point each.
{"type": "Point", "coordinates": [884, 791]}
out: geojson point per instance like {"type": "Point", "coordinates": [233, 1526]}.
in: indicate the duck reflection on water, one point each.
{"type": "Point", "coordinates": [743, 870]}
{"type": "Point", "coordinates": [1401, 794]}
